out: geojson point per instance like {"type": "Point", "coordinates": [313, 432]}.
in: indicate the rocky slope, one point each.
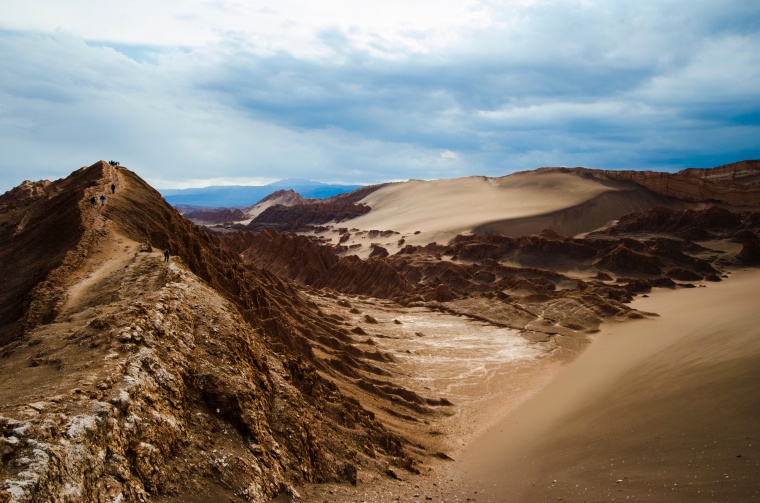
{"type": "Point", "coordinates": [39, 226]}
{"type": "Point", "coordinates": [212, 216]}
{"type": "Point", "coordinates": [736, 184]}
{"type": "Point", "coordinates": [591, 277]}
{"type": "Point", "coordinates": [125, 378]}
{"type": "Point", "coordinates": [310, 213]}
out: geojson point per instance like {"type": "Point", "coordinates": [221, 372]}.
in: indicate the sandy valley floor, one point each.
{"type": "Point", "coordinates": [653, 410]}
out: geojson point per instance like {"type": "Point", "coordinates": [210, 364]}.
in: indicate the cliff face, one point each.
{"type": "Point", "coordinates": [40, 225]}
{"type": "Point", "coordinates": [288, 255]}
{"type": "Point", "coordinates": [736, 184]}
{"type": "Point", "coordinates": [312, 213]}
{"type": "Point", "coordinates": [745, 173]}
{"type": "Point", "coordinates": [222, 215]}
{"type": "Point", "coordinates": [131, 378]}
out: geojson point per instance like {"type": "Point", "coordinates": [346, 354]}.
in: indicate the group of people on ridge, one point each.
{"type": "Point", "coordinates": [102, 196]}
{"type": "Point", "coordinates": [93, 201]}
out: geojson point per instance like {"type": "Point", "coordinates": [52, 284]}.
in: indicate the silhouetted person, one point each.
{"type": "Point", "coordinates": [113, 188]}
{"type": "Point", "coordinates": [93, 200]}
{"type": "Point", "coordinates": [102, 199]}
{"type": "Point", "coordinates": [166, 255]}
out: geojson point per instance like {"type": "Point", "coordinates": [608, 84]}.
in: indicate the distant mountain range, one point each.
{"type": "Point", "coordinates": [243, 196]}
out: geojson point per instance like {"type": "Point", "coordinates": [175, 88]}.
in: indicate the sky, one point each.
{"type": "Point", "coordinates": [218, 92]}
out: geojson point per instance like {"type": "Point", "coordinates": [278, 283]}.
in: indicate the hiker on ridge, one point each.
{"type": "Point", "coordinates": [92, 201]}
{"type": "Point", "coordinates": [166, 255]}
{"type": "Point", "coordinates": [102, 200]}
{"type": "Point", "coordinates": [113, 188]}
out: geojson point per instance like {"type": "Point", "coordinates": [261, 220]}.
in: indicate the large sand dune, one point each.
{"type": "Point", "coordinates": [513, 205]}
{"type": "Point", "coordinates": [655, 410]}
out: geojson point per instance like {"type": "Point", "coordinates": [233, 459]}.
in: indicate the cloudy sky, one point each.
{"type": "Point", "coordinates": [194, 93]}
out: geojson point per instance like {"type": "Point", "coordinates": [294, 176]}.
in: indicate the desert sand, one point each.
{"type": "Point", "coordinates": [457, 204]}
{"type": "Point", "coordinates": [659, 409]}
{"type": "Point", "coordinates": [664, 409]}
{"type": "Point", "coordinates": [518, 204]}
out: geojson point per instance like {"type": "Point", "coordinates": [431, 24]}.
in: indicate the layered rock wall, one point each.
{"type": "Point", "coordinates": [735, 184]}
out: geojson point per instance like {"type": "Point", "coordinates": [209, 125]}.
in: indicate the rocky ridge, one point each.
{"type": "Point", "coordinates": [135, 380]}
{"type": "Point", "coordinates": [223, 215]}
{"type": "Point", "coordinates": [736, 184]}
{"type": "Point", "coordinates": [309, 213]}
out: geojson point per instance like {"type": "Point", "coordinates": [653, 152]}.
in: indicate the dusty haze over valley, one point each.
{"type": "Point", "coordinates": [557, 334]}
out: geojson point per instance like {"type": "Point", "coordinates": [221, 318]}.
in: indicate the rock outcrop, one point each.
{"type": "Point", "coordinates": [40, 227]}
{"type": "Point", "coordinates": [313, 213]}
{"type": "Point", "coordinates": [682, 222]}
{"type": "Point", "coordinates": [215, 216]}
{"type": "Point", "coordinates": [736, 184]}
{"type": "Point", "coordinates": [128, 378]}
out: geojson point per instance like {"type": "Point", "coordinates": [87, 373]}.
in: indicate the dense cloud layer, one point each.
{"type": "Point", "coordinates": [228, 92]}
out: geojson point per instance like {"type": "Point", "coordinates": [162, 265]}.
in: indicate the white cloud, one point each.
{"type": "Point", "coordinates": [723, 68]}
{"type": "Point", "coordinates": [290, 25]}
{"type": "Point", "coordinates": [366, 92]}
{"type": "Point", "coordinates": [448, 155]}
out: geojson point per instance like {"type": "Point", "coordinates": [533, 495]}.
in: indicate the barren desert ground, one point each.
{"type": "Point", "coordinates": [662, 409]}
{"type": "Point", "coordinates": [418, 341]}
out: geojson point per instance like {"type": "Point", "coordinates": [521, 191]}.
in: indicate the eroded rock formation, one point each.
{"type": "Point", "coordinates": [215, 216]}
{"type": "Point", "coordinates": [736, 184]}
{"type": "Point", "coordinates": [129, 378]}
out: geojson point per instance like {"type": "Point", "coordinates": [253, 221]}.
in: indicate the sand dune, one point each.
{"type": "Point", "coordinates": [663, 410]}
{"type": "Point", "coordinates": [586, 216]}
{"type": "Point", "coordinates": [460, 204]}
{"type": "Point", "coordinates": [517, 204]}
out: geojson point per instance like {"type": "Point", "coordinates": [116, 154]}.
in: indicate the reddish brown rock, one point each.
{"type": "Point", "coordinates": [750, 253]}
{"type": "Point", "coordinates": [623, 259]}
{"type": "Point", "coordinates": [215, 216]}
{"type": "Point", "coordinates": [736, 184]}
{"type": "Point", "coordinates": [378, 251]}
{"type": "Point", "coordinates": [196, 378]}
